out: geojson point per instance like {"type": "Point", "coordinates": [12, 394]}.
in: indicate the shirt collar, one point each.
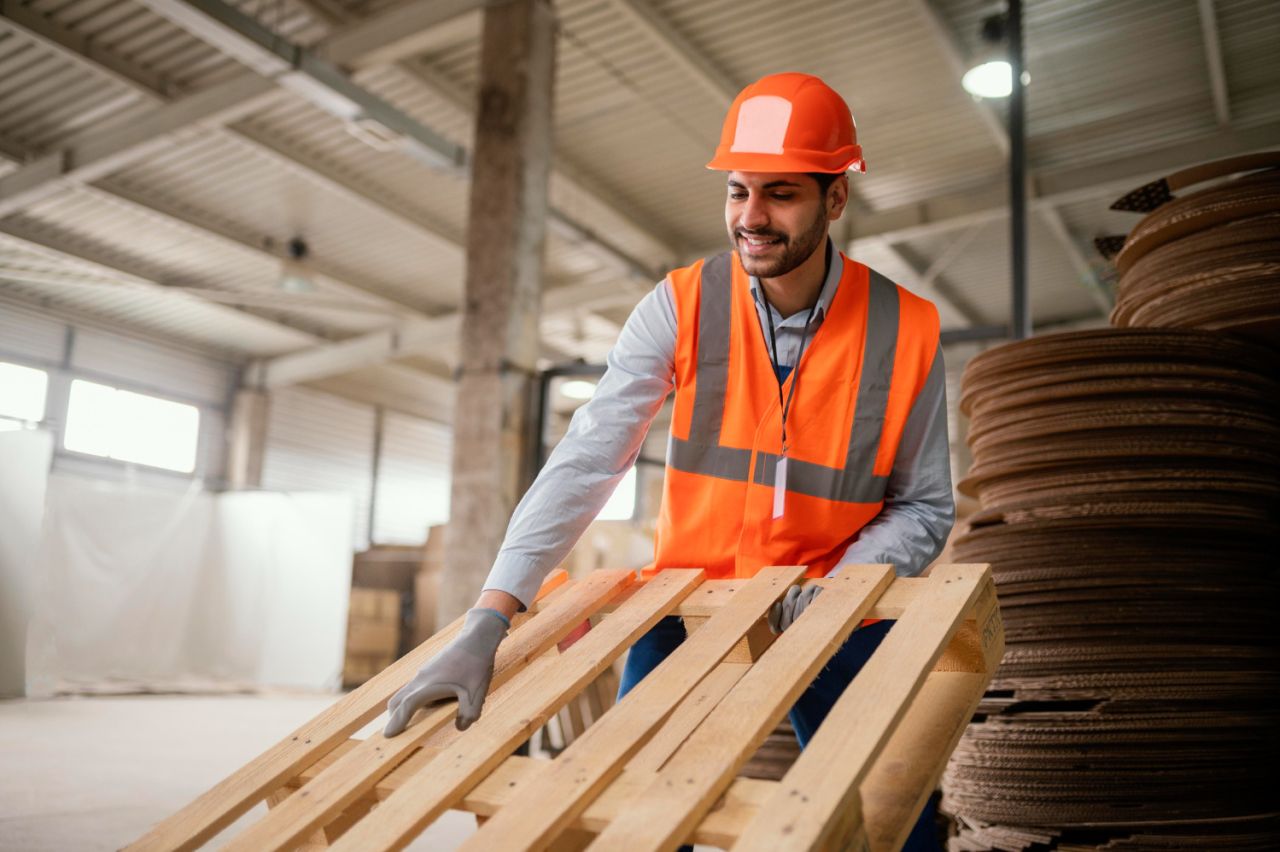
{"type": "Point", "coordinates": [825, 296]}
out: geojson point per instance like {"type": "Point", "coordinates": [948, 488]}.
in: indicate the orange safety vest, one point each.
{"type": "Point", "coordinates": [859, 377]}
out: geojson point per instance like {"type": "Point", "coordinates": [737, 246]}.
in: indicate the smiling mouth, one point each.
{"type": "Point", "coordinates": [759, 241]}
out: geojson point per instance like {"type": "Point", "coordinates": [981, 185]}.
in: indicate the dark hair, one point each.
{"type": "Point", "coordinates": [824, 179]}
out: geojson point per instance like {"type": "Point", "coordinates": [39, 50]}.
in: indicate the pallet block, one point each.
{"type": "Point", "coordinates": [660, 767]}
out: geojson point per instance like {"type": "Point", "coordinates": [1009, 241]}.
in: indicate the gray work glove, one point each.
{"type": "Point", "coordinates": [784, 613]}
{"type": "Point", "coordinates": [461, 670]}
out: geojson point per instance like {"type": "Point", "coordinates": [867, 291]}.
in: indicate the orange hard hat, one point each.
{"type": "Point", "coordinates": [788, 123]}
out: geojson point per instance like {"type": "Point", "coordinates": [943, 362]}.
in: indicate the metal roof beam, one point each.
{"type": "Point", "coordinates": [947, 42]}
{"type": "Point", "coordinates": [337, 279]}
{"type": "Point", "coordinates": [150, 88]}
{"type": "Point", "coordinates": [1213, 58]}
{"type": "Point", "coordinates": [434, 335]}
{"type": "Point", "coordinates": [134, 276]}
{"type": "Point", "coordinates": [376, 347]}
{"type": "Point", "coordinates": [931, 284]}
{"type": "Point", "coordinates": [96, 152]}
{"type": "Point", "coordinates": [343, 45]}
{"type": "Point", "coordinates": [81, 49]}
{"type": "Point", "coordinates": [362, 193]}
{"type": "Point", "coordinates": [438, 390]}
{"type": "Point", "coordinates": [1075, 256]}
{"type": "Point", "coordinates": [677, 46]}
{"type": "Point", "coordinates": [569, 189]}
{"type": "Point", "coordinates": [1058, 187]}
{"type": "Point", "coordinates": [317, 80]}
{"type": "Point", "coordinates": [409, 29]}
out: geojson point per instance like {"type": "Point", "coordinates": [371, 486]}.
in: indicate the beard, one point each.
{"type": "Point", "coordinates": [795, 248]}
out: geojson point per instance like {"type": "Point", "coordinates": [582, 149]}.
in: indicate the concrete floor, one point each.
{"type": "Point", "coordinates": [96, 773]}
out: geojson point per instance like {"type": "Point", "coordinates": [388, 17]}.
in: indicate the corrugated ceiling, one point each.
{"type": "Point", "coordinates": [213, 207]}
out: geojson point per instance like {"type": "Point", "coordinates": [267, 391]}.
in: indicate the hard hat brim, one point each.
{"type": "Point", "coordinates": [846, 159]}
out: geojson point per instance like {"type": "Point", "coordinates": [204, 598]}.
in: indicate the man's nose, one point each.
{"type": "Point", "coordinates": [754, 215]}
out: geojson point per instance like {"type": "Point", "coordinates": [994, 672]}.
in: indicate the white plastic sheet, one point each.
{"type": "Point", "coordinates": [24, 473]}
{"type": "Point", "coordinates": [150, 589]}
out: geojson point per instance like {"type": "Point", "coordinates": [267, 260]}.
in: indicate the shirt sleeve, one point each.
{"type": "Point", "coordinates": [919, 508]}
{"type": "Point", "coordinates": [603, 442]}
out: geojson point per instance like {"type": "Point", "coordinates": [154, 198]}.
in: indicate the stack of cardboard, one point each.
{"type": "Point", "coordinates": [373, 634]}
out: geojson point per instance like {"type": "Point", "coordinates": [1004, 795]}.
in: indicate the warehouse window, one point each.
{"type": "Point", "coordinates": [622, 505]}
{"type": "Point", "coordinates": [22, 396]}
{"type": "Point", "coordinates": [132, 427]}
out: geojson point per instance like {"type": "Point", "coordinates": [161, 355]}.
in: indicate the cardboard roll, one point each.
{"type": "Point", "coordinates": [1105, 807]}
{"type": "Point", "coordinates": [1252, 392]}
{"type": "Point", "coordinates": [1258, 834]}
{"type": "Point", "coordinates": [1105, 534]}
{"type": "Point", "coordinates": [1181, 451]}
{"type": "Point", "coordinates": [1251, 238]}
{"type": "Point", "coordinates": [1212, 291]}
{"type": "Point", "coordinates": [1128, 692]}
{"type": "Point", "coordinates": [1216, 253]}
{"type": "Point", "coordinates": [1122, 384]}
{"type": "Point", "coordinates": [1124, 380]}
{"type": "Point", "coordinates": [1199, 454]}
{"type": "Point", "coordinates": [1106, 480]}
{"type": "Point", "coordinates": [1200, 651]}
{"type": "Point", "coordinates": [1192, 654]}
{"type": "Point", "coordinates": [992, 429]}
{"type": "Point", "coordinates": [1250, 307]}
{"type": "Point", "coordinates": [1207, 593]}
{"type": "Point", "coordinates": [1016, 585]}
{"type": "Point", "coordinates": [1119, 511]}
{"type": "Point", "coordinates": [1241, 198]}
{"type": "Point", "coordinates": [1135, 616]}
{"type": "Point", "coordinates": [1058, 359]}
{"type": "Point", "coordinates": [1142, 730]}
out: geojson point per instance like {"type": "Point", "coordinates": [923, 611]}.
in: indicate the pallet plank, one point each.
{"type": "Point", "coordinates": [357, 771]}
{"type": "Point", "coordinates": [445, 780]}
{"type": "Point", "coordinates": [704, 767]}
{"type": "Point", "coordinates": [822, 786]}
{"type": "Point", "coordinates": [227, 800]}
{"type": "Point", "coordinates": [912, 762]}
{"type": "Point", "coordinates": [599, 754]}
{"type": "Point", "coordinates": [716, 593]}
{"type": "Point", "coordinates": [704, 698]}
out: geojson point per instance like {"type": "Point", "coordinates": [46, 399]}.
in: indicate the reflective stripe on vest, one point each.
{"type": "Point", "coordinates": [856, 482]}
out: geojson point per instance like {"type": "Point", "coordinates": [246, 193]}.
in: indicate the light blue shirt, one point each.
{"type": "Point", "coordinates": [606, 434]}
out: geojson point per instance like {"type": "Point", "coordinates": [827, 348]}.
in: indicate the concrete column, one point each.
{"type": "Point", "coordinates": [246, 438]}
{"type": "Point", "coordinates": [492, 438]}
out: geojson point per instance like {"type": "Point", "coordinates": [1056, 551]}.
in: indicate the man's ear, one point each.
{"type": "Point", "coordinates": [837, 197]}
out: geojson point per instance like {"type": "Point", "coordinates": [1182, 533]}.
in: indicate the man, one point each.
{"type": "Point", "coordinates": [809, 425]}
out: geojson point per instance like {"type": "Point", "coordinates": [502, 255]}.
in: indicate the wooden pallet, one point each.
{"type": "Point", "coordinates": [660, 767]}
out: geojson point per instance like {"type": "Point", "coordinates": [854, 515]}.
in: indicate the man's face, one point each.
{"type": "Point", "coordinates": [777, 220]}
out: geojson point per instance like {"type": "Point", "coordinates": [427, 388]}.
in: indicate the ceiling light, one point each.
{"type": "Point", "coordinates": [295, 275]}
{"type": "Point", "coordinates": [992, 79]}
{"type": "Point", "coordinates": [991, 75]}
{"type": "Point", "coordinates": [577, 389]}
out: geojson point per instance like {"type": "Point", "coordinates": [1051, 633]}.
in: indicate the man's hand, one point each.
{"type": "Point", "coordinates": [462, 670]}
{"type": "Point", "coordinates": [783, 613]}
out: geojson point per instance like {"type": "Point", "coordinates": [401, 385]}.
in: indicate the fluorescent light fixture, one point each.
{"type": "Point", "coordinates": [577, 389]}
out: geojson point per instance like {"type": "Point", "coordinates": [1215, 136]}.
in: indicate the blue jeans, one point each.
{"type": "Point", "coordinates": [811, 708]}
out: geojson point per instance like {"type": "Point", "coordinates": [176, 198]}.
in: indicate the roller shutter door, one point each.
{"type": "Point", "coordinates": [319, 442]}
{"type": "Point", "coordinates": [413, 479]}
